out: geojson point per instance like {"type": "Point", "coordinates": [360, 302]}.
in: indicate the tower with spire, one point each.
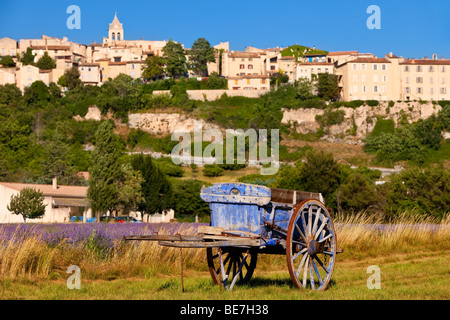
{"type": "Point", "coordinates": [115, 30]}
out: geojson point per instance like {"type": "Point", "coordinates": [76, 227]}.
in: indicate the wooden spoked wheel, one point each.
{"type": "Point", "coordinates": [311, 246]}
{"type": "Point", "coordinates": [233, 259]}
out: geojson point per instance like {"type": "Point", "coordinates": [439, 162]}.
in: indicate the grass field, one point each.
{"type": "Point", "coordinates": [413, 257]}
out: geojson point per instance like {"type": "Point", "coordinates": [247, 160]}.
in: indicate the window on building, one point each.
{"type": "Point", "coordinates": [248, 81]}
{"type": "Point", "coordinates": [406, 68]}
{"type": "Point", "coordinates": [375, 67]}
{"type": "Point", "coordinates": [431, 69]}
{"type": "Point", "coordinates": [250, 66]}
{"type": "Point", "coordinates": [375, 88]}
{"type": "Point", "coordinates": [355, 78]}
{"type": "Point", "coordinates": [419, 90]}
{"type": "Point", "coordinates": [363, 89]}
{"type": "Point", "coordinates": [443, 69]}
{"type": "Point", "coordinates": [375, 78]}
{"type": "Point", "coordinates": [419, 69]}
{"type": "Point", "coordinates": [407, 90]}
{"type": "Point", "coordinates": [442, 80]}
{"type": "Point", "coordinates": [432, 91]}
{"type": "Point", "coordinates": [384, 78]}
{"type": "Point", "coordinates": [242, 66]}
{"type": "Point", "coordinates": [419, 80]}
{"type": "Point", "coordinates": [443, 91]}
{"type": "Point", "coordinates": [363, 66]}
{"type": "Point", "coordinates": [383, 67]}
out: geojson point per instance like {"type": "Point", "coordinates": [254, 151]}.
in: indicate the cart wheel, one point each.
{"type": "Point", "coordinates": [311, 245]}
{"type": "Point", "coordinates": [232, 258]}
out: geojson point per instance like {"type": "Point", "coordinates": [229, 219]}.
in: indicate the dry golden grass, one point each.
{"type": "Point", "coordinates": [358, 235]}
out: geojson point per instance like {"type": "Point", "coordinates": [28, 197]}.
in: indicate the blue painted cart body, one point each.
{"type": "Point", "coordinates": [251, 208]}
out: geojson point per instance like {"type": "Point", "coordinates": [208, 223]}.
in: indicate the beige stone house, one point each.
{"type": "Point", "coordinates": [62, 202]}
{"type": "Point", "coordinates": [249, 82]}
{"type": "Point", "coordinates": [8, 47]}
{"type": "Point", "coordinates": [7, 76]}
{"type": "Point", "coordinates": [395, 78]}
{"type": "Point", "coordinates": [310, 70]}
{"type": "Point", "coordinates": [90, 73]}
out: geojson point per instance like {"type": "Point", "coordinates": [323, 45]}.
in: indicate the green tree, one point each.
{"type": "Point", "coordinates": [46, 62]}
{"type": "Point", "coordinates": [200, 54]}
{"type": "Point", "coordinates": [424, 191]}
{"type": "Point", "coordinates": [28, 57]}
{"type": "Point", "coordinates": [105, 171]}
{"type": "Point", "coordinates": [153, 69]}
{"type": "Point", "coordinates": [305, 89]}
{"type": "Point", "coordinates": [327, 86]}
{"type": "Point", "coordinates": [319, 173]}
{"type": "Point", "coordinates": [358, 193]}
{"type": "Point", "coordinates": [174, 55]}
{"type": "Point", "coordinates": [7, 62]}
{"type": "Point", "coordinates": [187, 200]}
{"type": "Point", "coordinates": [56, 160]}
{"type": "Point", "coordinates": [70, 79]}
{"type": "Point", "coordinates": [130, 190]}
{"type": "Point", "coordinates": [157, 190]}
{"type": "Point", "coordinates": [29, 203]}
{"type": "Point", "coordinates": [37, 94]}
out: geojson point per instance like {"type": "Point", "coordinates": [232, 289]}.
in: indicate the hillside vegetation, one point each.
{"type": "Point", "coordinates": [39, 139]}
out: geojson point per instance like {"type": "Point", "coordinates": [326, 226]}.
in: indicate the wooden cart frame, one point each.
{"type": "Point", "coordinates": [247, 220]}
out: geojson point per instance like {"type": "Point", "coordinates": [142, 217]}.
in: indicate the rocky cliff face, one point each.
{"type": "Point", "coordinates": [362, 118]}
{"type": "Point", "coordinates": [165, 123]}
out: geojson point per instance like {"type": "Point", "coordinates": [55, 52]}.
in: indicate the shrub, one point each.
{"type": "Point", "coordinates": [372, 103]}
{"type": "Point", "coordinates": [212, 170]}
{"type": "Point", "coordinates": [330, 117]}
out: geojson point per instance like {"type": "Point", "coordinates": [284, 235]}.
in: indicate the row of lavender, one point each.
{"type": "Point", "coordinates": [103, 235]}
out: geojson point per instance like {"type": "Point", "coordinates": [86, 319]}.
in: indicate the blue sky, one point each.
{"type": "Point", "coordinates": [408, 28]}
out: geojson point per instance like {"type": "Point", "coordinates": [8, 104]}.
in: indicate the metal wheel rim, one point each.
{"type": "Point", "coordinates": [232, 257]}
{"type": "Point", "coordinates": [311, 246]}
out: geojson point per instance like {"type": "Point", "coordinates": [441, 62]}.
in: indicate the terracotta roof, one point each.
{"type": "Point", "coordinates": [316, 64]}
{"type": "Point", "coordinates": [340, 53]}
{"type": "Point", "coordinates": [45, 70]}
{"type": "Point", "coordinates": [425, 62]}
{"type": "Point", "coordinates": [117, 63]}
{"type": "Point", "coordinates": [48, 191]}
{"type": "Point", "coordinates": [244, 55]}
{"type": "Point", "coordinates": [135, 61]}
{"type": "Point", "coordinates": [50, 47]}
{"type": "Point", "coordinates": [250, 76]}
{"type": "Point", "coordinates": [87, 64]}
{"type": "Point", "coordinates": [370, 60]}
{"type": "Point", "coordinates": [287, 58]}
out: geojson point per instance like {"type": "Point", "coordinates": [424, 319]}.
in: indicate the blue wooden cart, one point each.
{"type": "Point", "coordinates": [247, 220]}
